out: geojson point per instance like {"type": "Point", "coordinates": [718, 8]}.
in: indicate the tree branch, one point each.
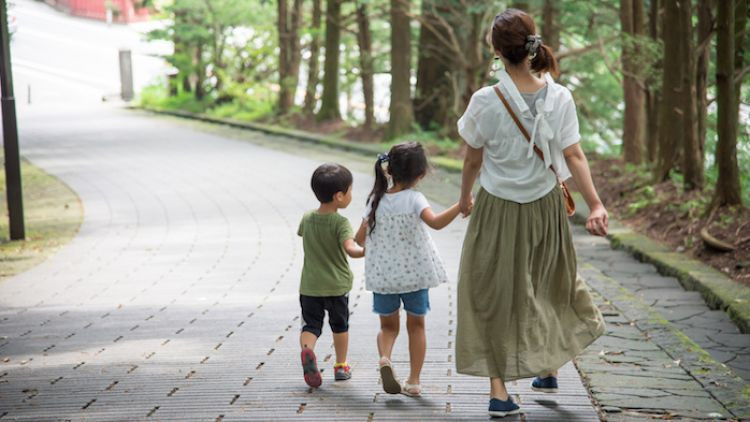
{"type": "Point", "coordinates": [582, 50]}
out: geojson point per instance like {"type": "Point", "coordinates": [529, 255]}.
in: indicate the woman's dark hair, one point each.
{"type": "Point", "coordinates": [406, 162]}
{"type": "Point", "coordinates": [329, 179]}
{"type": "Point", "coordinates": [512, 34]}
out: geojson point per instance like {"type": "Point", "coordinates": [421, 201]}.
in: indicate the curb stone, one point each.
{"type": "Point", "coordinates": [623, 310]}
{"type": "Point", "coordinates": [444, 163]}
{"type": "Point", "coordinates": [718, 290]}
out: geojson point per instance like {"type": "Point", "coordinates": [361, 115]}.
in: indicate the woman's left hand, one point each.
{"type": "Point", "coordinates": [598, 221]}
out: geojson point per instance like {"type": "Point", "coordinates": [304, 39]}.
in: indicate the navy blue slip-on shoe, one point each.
{"type": "Point", "coordinates": [500, 408]}
{"type": "Point", "coordinates": [544, 385]}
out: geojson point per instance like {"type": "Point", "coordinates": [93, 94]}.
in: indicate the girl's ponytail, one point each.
{"type": "Point", "coordinates": [378, 190]}
{"type": "Point", "coordinates": [545, 61]}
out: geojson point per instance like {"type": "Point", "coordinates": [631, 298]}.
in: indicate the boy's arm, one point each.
{"type": "Point", "coordinates": [361, 234]}
{"type": "Point", "coordinates": [353, 250]}
{"type": "Point", "coordinates": [440, 220]}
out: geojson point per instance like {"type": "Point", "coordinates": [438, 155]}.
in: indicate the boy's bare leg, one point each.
{"type": "Point", "coordinates": [417, 346]}
{"type": "Point", "coordinates": [389, 326]}
{"type": "Point", "coordinates": [307, 339]}
{"type": "Point", "coordinates": [497, 389]}
{"type": "Point", "coordinates": [341, 344]}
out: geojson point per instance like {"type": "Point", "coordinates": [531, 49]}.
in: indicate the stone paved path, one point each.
{"type": "Point", "coordinates": [178, 298]}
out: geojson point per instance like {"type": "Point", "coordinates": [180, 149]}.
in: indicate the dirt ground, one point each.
{"type": "Point", "coordinates": [664, 211]}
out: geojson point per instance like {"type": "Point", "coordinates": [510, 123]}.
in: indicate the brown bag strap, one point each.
{"type": "Point", "coordinates": [523, 130]}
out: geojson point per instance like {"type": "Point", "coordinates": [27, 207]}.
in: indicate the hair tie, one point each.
{"type": "Point", "coordinates": [532, 44]}
{"type": "Point", "coordinates": [383, 158]}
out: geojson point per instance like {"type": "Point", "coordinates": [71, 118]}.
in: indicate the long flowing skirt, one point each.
{"type": "Point", "coordinates": [522, 309]}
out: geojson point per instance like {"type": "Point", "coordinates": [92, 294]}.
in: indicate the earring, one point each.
{"type": "Point", "coordinates": [495, 66]}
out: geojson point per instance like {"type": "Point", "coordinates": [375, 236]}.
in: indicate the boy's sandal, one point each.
{"type": "Point", "coordinates": [411, 390]}
{"type": "Point", "coordinates": [388, 377]}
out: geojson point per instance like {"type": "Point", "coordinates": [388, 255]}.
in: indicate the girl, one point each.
{"type": "Point", "coordinates": [401, 262]}
{"type": "Point", "coordinates": [522, 311]}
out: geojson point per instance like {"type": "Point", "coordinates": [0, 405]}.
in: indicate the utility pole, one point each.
{"type": "Point", "coordinates": [10, 132]}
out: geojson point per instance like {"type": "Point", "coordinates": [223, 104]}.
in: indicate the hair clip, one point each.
{"type": "Point", "coordinates": [532, 44]}
{"type": "Point", "coordinates": [383, 158]}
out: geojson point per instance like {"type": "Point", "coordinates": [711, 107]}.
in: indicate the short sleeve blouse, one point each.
{"type": "Point", "coordinates": [510, 169]}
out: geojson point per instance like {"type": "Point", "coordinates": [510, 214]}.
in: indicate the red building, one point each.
{"type": "Point", "coordinates": [124, 11]}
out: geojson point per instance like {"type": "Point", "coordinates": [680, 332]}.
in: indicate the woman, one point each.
{"type": "Point", "coordinates": [522, 311]}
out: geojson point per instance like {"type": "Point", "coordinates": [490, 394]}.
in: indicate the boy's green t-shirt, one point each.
{"type": "Point", "coordinates": [326, 270]}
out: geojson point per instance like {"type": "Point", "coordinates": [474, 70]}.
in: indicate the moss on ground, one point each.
{"type": "Point", "coordinates": [53, 213]}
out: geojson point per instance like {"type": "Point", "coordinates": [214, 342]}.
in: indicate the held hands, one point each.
{"type": "Point", "coordinates": [598, 221]}
{"type": "Point", "coordinates": [466, 205]}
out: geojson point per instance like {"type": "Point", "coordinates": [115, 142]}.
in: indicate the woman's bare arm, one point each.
{"type": "Point", "coordinates": [598, 219]}
{"type": "Point", "coordinates": [472, 165]}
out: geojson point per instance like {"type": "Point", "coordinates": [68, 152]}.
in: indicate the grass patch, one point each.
{"type": "Point", "coordinates": [53, 214]}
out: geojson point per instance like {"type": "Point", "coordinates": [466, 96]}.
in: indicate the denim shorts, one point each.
{"type": "Point", "coordinates": [416, 303]}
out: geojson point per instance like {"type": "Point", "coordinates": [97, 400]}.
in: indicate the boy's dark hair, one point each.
{"type": "Point", "coordinates": [328, 179]}
{"type": "Point", "coordinates": [407, 162]}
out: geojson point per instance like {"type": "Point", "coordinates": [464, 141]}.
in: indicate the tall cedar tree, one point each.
{"type": "Point", "coordinates": [364, 40]}
{"type": "Point", "coordinates": [329, 104]}
{"type": "Point", "coordinates": [551, 26]}
{"type": "Point", "coordinates": [631, 20]}
{"type": "Point", "coordinates": [728, 183]}
{"type": "Point", "coordinates": [703, 50]}
{"type": "Point", "coordinates": [677, 135]}
{"type": "Point", "coordinates": [433, 91]}
{"type": "Point", "coordinates": [313, 67]}
{"type": "Point", "coordinates": [401, 113]}
{"type": "Point", "coordinates": [289, 52]}
{"type": "Point", "coordinates": [692, 154]}
{"type": "Point", "coordinates": [653, 93]}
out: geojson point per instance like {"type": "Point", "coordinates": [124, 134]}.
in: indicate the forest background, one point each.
{"type": "Point", "coordinates": [660, 86]}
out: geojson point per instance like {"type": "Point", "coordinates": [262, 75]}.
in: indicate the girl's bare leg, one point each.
{"type": "Point", "coordinates": [417, 346]}
{"type": "Point", "coordinates": [389, 326]}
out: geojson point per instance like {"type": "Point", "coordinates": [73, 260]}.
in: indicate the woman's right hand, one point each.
{"type": "Point", "coordinates": [466, 204]}
{"type": "Point", "coordinates": [598, 221]}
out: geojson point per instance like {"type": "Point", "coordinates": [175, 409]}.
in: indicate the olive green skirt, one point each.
{"type": "Point", "coordinates": [522, 309]}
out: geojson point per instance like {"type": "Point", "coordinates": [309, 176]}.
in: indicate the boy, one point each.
{"type": "Point", "coordinates": [327, 238]}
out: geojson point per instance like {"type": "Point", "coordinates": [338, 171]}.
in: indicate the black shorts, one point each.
{"type": "Point", "coordinates": [315, 307]}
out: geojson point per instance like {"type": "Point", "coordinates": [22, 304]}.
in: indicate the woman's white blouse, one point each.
{"type": "Point", "coordinates": [510, 168]}
{"type": "Point", "coordinates": [401, 256]}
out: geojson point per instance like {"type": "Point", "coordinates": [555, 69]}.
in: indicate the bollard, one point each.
{"type": "Point", "coordinates": [126, 75]}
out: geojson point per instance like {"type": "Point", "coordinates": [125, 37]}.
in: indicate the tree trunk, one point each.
{"type": "Point", "coordinates": [200, 73]}
{"type": "Point", "coordinates": [631, 20]}
{"type": "Point", "coordinates": [551, 27]}
{"type": "Point", "coordinates": [329, 105]}
{"type": "Point", "coordinates": [521, 5]}
{"type": "Point", "coordinates": [741, 13]}
{"type": "Point", "coordinates": [284, 56]}
{"type": "Point", "coordinates": [653, 94]}
{"type": "Point", "coordinates": [312, 65]}
{"type": "Point", "coordinates": [692, 155]}
{"type": "Point", "coordinates": [289, 53]}
{"type": "Point", "coordinates": [703, 54]}
{"type": "Point", "coordinates": [672, 112]}
{"type": "Point", "coordinates": [364, 39]}
{"type": "Point", "coordinates": [432, 95]}
{"type": "Point", "coordinates": [401, 114]}
{"type": "Point", "coordinates": [728, 183]}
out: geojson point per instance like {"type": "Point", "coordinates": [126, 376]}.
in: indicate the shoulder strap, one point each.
{"type": "Point", "coordinates": [523, 130]}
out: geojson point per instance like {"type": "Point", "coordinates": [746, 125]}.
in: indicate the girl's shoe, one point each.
{"type": "Point", "coordinates": [388, 377]}
{"type": "Point", "coordinates": [501, 408]}
{"type": "Point", "coordinates": [544, 385]}
{"type": "Point", "coordinates": [310, 368]}
{"type": "Point", "coordinates": [342, 371]}
{"type": "Point", "coordinates": [411, 390]}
